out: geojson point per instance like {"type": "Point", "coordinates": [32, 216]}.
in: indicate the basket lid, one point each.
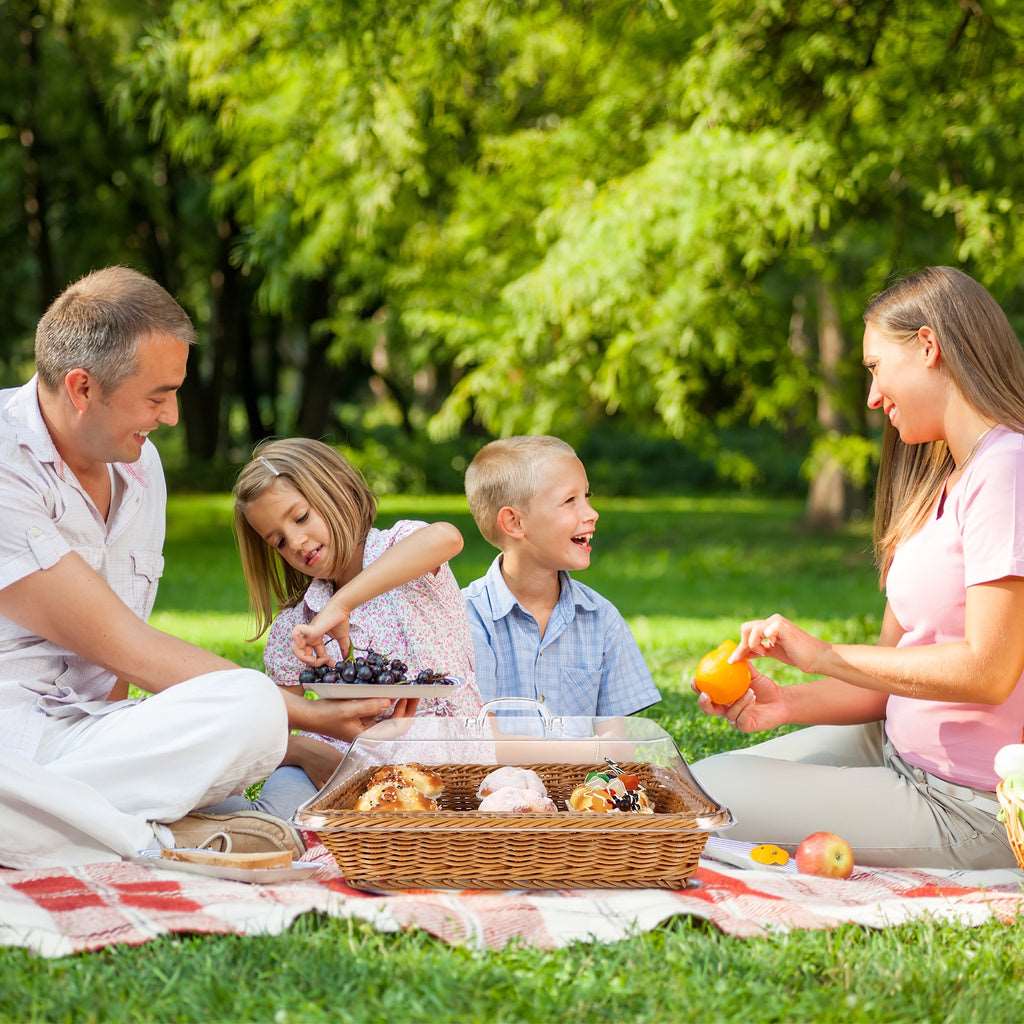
{"type": "Point", "coordinates": [510, 731]}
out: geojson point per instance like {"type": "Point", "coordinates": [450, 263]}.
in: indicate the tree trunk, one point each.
{"type": "Point", "coordinates": [245, 368]}
{"type": "Point", "coordinates": [832, 497]}
{"type": "Point", "coordinates": [318, 375]}
{"type": "Point", "coordinates": [36, 197]}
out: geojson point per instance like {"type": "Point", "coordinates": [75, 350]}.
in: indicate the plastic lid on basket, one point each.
{"type": "Point", "coordinates": [530, 736]}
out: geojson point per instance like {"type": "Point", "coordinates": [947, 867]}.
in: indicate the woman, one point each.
{"type": "Point", "coordinates": [899, 761]}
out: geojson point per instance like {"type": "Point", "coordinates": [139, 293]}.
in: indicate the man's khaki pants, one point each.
{"type": "Point", "coordinates": [99, 786]}
{"type": "Point", "coordinates": [846, 779]}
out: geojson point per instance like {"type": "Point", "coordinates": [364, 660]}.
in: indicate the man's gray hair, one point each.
{"type": "Point", "coordinates": [97, 323]}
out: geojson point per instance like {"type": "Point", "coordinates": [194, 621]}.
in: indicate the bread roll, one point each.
{"type": "Point", "coordinates": [259, 861]}
{"type": "Point", "coordinates": [517, 801]}
{"type": "Point", "coordinates": [511, 777]}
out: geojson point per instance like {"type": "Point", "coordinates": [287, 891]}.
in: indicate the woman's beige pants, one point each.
{"type": "Point", "coordinates": [847, 779]}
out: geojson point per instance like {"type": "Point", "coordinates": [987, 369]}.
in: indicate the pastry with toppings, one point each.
{"type": "Point", "coordinates": [610, 790]}
{"type": "Point", "coordinates": [511, 777]}
{"type": "Point", "coordinates": [429, 783]}
{"type": "Point", "coordinates": [390, 796]}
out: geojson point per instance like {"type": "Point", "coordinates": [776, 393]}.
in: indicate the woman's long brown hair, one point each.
{"type": "Point", "coordinates": [985, 362]}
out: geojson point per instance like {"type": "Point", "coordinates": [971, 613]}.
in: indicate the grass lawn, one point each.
{"type": "Point", "coordinates": [685, 572]}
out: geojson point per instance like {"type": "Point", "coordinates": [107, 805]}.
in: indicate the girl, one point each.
{"type": "Point", "coordinates": [900, 760]}
{"type": "Point", "coordinates": [304, 523]}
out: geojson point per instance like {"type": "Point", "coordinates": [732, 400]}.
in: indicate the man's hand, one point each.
{"type": "Point", "coordinates": [72, 606]}
{"type": "Point", "coordinates": [343, 719]}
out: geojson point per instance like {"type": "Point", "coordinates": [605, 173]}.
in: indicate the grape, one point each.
{"type": "Point", "coordinates": [307, 677]}
{"type": "Point", "coordinates": [330, 677]}
{"type": "Point", "coordinates": [348, 673]}
{"type": "Point", "coordinates": [359, 662]}
{"type": "Point", "coordinates": [339, 666]}
{"type": "Point", "coordinates": [385, 679]}
{"type": "Point", "coordinates": [321, 671]}
{"type": "Point", "coordinates": [364, 674]}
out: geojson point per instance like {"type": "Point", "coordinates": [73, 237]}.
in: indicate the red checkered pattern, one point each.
{"type": "Point", "coordinates": [55, 912]}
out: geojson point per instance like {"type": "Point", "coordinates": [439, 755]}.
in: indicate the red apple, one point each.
{"type": "Point", "coordinates": [825, 854]}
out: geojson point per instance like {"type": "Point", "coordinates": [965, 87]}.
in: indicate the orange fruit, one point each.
{"type": "Point", "coordinates": [769, 853]}
{"type": "Point", "coordinates": [722, 682]}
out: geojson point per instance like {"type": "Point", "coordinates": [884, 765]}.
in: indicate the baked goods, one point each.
{"type": "Point", "coordinates": [263, 860]}
{"type": "Point", "coordinates": [429, 783]}
{"type": "Point", "coordinates": [511, 777]}
{"type": "Point", "coordinates": [518, 801]}
{"type": "Point", "coordinates": [610, 790]}
{"type": "Point", "coordinates": [390, 796]}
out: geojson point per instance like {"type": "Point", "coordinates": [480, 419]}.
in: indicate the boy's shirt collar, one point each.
{"type": "Point", "coordinates": [502, 600]}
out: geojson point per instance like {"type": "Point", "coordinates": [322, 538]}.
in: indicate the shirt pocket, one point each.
{"type": "Point", "coordinates": [580, 690]}
{"type": "Point", "coordinates": [147, 567]}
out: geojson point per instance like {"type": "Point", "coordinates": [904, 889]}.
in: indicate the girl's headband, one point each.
{"type": "Point", "coordinates": [269, 465]}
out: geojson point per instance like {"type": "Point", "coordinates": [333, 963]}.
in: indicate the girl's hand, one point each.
{"type": "Point", "coordinates": [761, 707]}
{"type": "Point", "coordinates": [778, 638]}
{"type": "Point", "coordinates": [308, 639]}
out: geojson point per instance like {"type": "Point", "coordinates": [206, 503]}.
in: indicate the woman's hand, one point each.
{"type": "Point", "coordinates": [762, 707]}
{"type": "Point", "coordinates": [308, 643]}
{"type": "Point", "coordinates": [776, 637]}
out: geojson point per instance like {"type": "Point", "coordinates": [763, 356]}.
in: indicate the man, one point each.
{"type": "Point", "coordinates": [86, 775]}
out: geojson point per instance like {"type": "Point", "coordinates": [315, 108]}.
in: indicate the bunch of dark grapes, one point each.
{"type": "Point", "coordinates": [369, 668]}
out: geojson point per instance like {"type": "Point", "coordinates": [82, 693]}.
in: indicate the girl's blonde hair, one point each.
{"type": "Point", "coordinates": [335, 489]}
{"type": "Point", "coordinates": [984, 360]}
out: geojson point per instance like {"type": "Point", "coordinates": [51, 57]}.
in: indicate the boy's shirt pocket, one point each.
{"type": "Point", "coordinates": [579, 688]}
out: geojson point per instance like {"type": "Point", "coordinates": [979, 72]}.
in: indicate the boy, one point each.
{"type": "Point", "coordinates": [536, 631]}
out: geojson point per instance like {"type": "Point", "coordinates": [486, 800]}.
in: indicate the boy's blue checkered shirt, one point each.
{"type": "Point", "coordinates": [587, 662]}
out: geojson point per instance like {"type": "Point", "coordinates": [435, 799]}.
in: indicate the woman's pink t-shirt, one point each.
{"type": "Point", "coordinates": [975, 536]}
{"type": "Point", "coordinates": [423, 623]}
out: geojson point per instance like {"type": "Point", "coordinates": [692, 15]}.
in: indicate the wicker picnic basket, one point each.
{"type": "Point", "coordinates": [459, 847]}
{"type": "Point", "coordinates": [1013, 820]}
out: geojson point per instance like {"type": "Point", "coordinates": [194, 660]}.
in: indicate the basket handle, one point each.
{"type": "Point", "coordinates": [528, 702]}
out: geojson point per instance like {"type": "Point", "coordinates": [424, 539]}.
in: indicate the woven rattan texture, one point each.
{"type": "Point", "coordinates": [1012, 811]}
{"type": "Point", "coordinates": [461, 847]}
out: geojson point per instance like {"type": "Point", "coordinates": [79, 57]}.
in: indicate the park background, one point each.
{"type": "Point", "coordinates": [408, 227]}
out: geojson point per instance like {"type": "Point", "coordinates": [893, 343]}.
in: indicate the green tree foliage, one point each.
{"type": "Point", "coordinates": [511, 216]}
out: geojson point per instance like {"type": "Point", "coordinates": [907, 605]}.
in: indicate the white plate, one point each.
{"type": "Point", "coordinates": [737, 855]}
{"type": "Point", "coordinates": [260, 876]}
{"type": "Point", "coordinates": [351, 691]}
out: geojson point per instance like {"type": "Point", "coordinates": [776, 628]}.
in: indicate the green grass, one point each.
{"type": "Point", "coordinates": [685, 572]}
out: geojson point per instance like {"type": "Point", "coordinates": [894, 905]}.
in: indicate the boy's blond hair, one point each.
{"type": "Point", "coordinates": [335, 489]}
{"type": "Point", "coordinates": [506, 473]}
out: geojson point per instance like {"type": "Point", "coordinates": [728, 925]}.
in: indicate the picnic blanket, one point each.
{"type": "Point", "coordinates": [58, 911]}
